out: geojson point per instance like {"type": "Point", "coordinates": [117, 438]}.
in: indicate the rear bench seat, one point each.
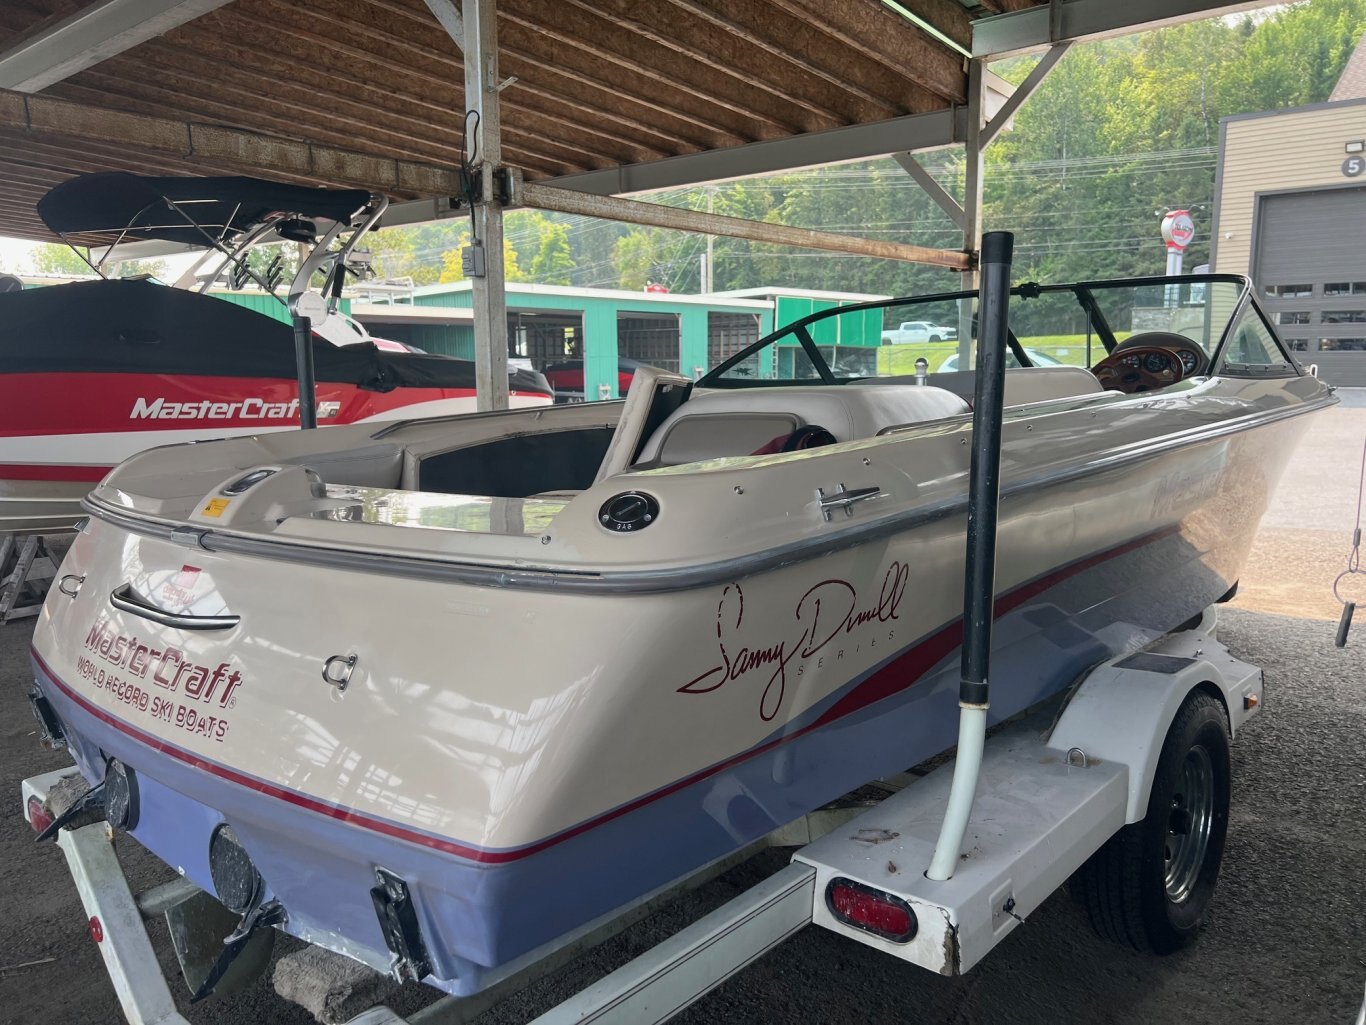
{"type": "Point", "coordinates": [722, 422]}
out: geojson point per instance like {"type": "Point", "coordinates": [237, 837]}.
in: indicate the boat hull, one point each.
{"type": "Point", "coordinates": [530, 760]}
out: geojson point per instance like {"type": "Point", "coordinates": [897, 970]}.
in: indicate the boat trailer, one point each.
{"type": "Point", "coordinates": [937, 873]}
{"type": "Point", "coordinates": [1053, 788]}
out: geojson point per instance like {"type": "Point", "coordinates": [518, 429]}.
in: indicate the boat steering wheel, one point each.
{"type": "Point", "coordinates": [1139, 368]}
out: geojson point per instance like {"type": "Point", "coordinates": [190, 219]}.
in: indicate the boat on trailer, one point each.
{"type": "Point", "coordinates": [569, 655]}
{"type": "Point", "coordinates": [94, 371]}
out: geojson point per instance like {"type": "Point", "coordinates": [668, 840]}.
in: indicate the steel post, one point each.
{"type": "Point", "coordinates": [972, 204]}
{"type": "Point", "coordinates": [485, 145]}
{"type": "Point", "coordinates": [303, 360]}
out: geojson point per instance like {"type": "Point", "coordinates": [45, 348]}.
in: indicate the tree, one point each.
{"type": "Point", "coordinates": [49, 258]}
{"type": "Point", "coordinates": [452, 260]}
{"type": "Point", "coordinates": [552, 263]}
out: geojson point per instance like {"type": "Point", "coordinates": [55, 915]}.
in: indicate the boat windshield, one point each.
{"type": "Point", "coordinates": [1050, 325]}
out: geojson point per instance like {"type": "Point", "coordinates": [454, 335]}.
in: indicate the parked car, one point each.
{"type": "Point", "coordinates": [919, 331]}
{"type": "Point", "coordinates": [1036, 359]}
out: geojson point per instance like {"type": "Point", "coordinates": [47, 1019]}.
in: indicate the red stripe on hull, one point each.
{"type": "Point", "coordinates": [87, 403]}
{"type": "Point", "coordinates": [39, 471]}
{"type": "Point", "coordinates": [897, 675]}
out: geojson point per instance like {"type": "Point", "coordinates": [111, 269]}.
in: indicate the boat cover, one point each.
{"type": "Point", "coordinates": [141, 327]}
{"type": "Point", "coordinates": [135, 207]}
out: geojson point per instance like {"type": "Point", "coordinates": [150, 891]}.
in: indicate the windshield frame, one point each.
{"type": "Point", "coordinates": [1083, 291]}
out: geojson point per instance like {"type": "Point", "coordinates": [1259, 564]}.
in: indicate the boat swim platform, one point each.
{"type": "Point", "coordinates": [1054, 788]}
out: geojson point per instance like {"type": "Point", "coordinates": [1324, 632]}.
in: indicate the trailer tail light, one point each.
{"type": "Point", "coordinates": [871, 910]}
{"type": "Point", "coordinates": [38, 815]}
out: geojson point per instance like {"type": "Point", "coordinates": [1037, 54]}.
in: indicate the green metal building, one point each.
{"type": "Point", "coordinates": [549, 324]}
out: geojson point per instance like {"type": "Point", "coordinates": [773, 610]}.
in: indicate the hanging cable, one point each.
{"type": "Point", "coordinates": [1353, 562]}
{"type": "Point", "coordinates": [469, 161]}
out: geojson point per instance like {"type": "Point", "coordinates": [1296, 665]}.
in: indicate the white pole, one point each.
{"type": "Point", "coordinates": [967, 766]}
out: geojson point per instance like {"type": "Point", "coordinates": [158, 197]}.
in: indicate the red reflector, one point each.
{"type": "Point", "coordinates": [38, 815]}
{"type": "Point", "coordinates": [871, 910]}
{"type": "Point", "coordinates": [96, 930]}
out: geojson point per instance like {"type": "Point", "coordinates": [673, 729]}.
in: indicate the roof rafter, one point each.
{"type": "Point", "coordinates": [45, 118]}
{"type": "Point", "coordinates": [94, 33]}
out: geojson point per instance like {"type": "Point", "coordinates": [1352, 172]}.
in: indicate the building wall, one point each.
{"type": "Point", "coordinates": [1274, 152]}
{"type": "Point", "coordinates": [266, 305]}
{"type": "Point", "coordinates": [600, 319]}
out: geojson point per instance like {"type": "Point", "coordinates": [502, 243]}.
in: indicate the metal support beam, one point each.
{"type": "Point", "coordinates": [445, 12]}
{"type": "Point", "coordinates": [93, 34]}
{"type": "Point", "coordinates": [1023, 91]}
{"type": "Point", "coordinates": [1021, 31]}
{"type": "Point", "coordinates": [485, 153]}
{"type": "Point", "coordinates": [545, 197]}
{"type": "Point", "coordinates": [936, 192]}
{"type": "Point", "coordinates": [972, 202]}
{"type": "Point", "coordinates": [913, 132]}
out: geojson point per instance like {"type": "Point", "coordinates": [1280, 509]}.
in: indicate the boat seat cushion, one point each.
{"type": "Point", "coordinates": [737, 422]}
{"type": "Point", "coordinates": [1023, 384]}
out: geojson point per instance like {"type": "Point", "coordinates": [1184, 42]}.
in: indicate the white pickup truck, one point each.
{"type": "Point", "coordinates": [918, 331]}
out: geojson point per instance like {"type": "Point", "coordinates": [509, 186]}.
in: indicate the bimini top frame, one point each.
{"type": "Point", "coordinates": [227, 217]}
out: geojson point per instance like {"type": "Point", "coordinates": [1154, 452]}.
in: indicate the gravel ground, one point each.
{"type": "Point", "coordinates": [1285, 942]}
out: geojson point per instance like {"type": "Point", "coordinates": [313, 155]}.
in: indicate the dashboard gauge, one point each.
{"type": "Point", "coordinates": [1188, 362]}
{"type": "Point", "coordinates": [1155, 363]}
{"type": "Point", "coordinates": [1130, 361]}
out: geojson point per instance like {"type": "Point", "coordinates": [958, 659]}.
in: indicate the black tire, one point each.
{"type": "Point", "coordinates": [935, 338]}
{"type": "Point", "coordinates": [1125, 886]}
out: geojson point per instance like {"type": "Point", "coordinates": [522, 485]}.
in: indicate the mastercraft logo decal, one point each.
{"type": "Point", "coordinates": [161, 408]}
{"type": "Point", "coordinates": [167, 668]}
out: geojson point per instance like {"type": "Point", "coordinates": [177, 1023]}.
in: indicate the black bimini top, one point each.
{"type": "Point", "coordinates": [141, 327]}
{"type": "Point", "coordinates": [134, 207]}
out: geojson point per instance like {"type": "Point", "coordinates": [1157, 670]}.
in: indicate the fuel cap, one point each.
{"type": "Point", "coordinates": [628, 512]}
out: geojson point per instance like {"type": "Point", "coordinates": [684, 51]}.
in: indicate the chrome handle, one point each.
{"type": "Point", "coordinates": [125, 600]}
{"type": "Point", "coordinates": [70, 585]}
{"type": "Point", "coordinates": [339, 678]}
{"type": "Point", "coordinates": [843, 498]}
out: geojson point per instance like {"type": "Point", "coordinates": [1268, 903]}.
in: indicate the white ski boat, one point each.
{"type": "Point", "coordinates": [435, 694]}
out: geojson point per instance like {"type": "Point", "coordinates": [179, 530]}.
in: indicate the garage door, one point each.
{"type": "Point", "coordinates": [1311, 272]}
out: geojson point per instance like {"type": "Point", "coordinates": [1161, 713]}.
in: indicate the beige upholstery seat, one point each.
{"type": "Point", "coordinates": [1023, 384]}
{"type": "Point", "coordinates": [727, 422]}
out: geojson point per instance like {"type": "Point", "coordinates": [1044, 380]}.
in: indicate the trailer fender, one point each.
{"type": "Point", "coordinates": [1122, 710]}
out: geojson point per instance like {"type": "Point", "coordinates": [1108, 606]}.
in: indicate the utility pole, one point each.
{"type": "Point", "coordinates": [708, 272]}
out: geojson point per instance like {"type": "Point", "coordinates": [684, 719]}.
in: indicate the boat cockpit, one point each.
{"type": "Point", "coordinates": [833, 377]}
{"type": "Point", "coordinates": [840, 375]}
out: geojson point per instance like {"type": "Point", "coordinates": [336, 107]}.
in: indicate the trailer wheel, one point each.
{"type": "Point", "coordinates": [1151, 884]}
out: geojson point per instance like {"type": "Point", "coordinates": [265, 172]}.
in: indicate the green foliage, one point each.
{"type": "Point", "coordinates": [49, 258]}
{"type": "Point", "coordinates": [553, 261]}
{"type": "Point", "coordinates": [452, 268]}
{"type": "Point", "coordinates": [1122, 130]}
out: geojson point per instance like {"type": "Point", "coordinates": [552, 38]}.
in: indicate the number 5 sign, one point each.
{"type": "Point", "coordinates": [1353, 166]}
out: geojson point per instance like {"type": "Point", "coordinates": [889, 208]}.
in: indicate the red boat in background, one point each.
{"type": "Point", "coordinates": [566, 378]}
{"type": "Point", "coordinates": [94, 372]}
